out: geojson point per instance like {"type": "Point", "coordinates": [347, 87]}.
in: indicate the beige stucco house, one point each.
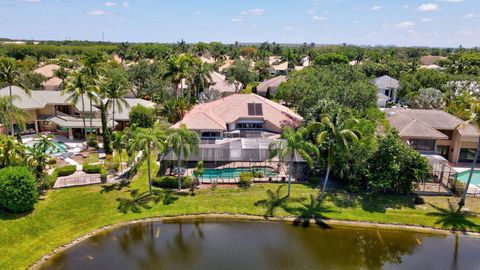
{"type": "Point", "coordinates": [50, 111]}
{"type": "Point", "coordinates": [436, 132]}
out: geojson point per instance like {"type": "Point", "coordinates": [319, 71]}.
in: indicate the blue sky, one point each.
{"type": "Point", "coordinates": [362, 22]}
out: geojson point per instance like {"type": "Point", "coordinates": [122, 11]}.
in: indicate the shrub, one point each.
{"type": "Point", "coordinates": [141, 116]}
{"type": "Point", "coordinates": [88, 168]}
{"type": "Point", "coordinates": [103, 174]}
{"type": "Point", "coordinates": [112, 166]}
{"type": "Point", "coordinates": [246, 179]}
{"type": "Point", "coordinates": [18, 191]}
{"type": "Point", "coordinates": [171, 182]}
{"type": "Point", "coordinates": [65, 170]}
{"type": "Point", "coordinates": [92, 140]}
{"type": "Point", "coordinates": [51, 161]}
{"type": "Point", "coordinates": [108, 157]}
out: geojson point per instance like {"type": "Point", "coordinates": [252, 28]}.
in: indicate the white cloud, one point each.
{"type": "Point", "coordinates": [125, 4]}
{"type": "Point", "coordinates": [428, 7]}
{"type": "Point", "coordinates": [237, 19]}
{"type": "Point", "coordinates": [254, 11]}
{"type": "Point", "coordinates": [405, 25]}
{"type": "Point", "coordinates": [319, 18]}
{"type": "Point", "coordinates": [376, 7]}
{"type": "Point", "coordinates": [405, 6]}
{"type": "Point", "coordinates": [311, 11]}
{"type": "Point", "coordinates": [470, 16]}
{"type": "Point", "coordinates": [97, 12]}
{"type": "Point", "coordinates": [110, 4]}
{"type": "Point", "coordinates": [451, 1]}
{"type": "Point", "coordinates": [424, 19]}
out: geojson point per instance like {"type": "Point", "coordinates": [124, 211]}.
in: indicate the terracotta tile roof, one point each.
{"type": "Point", "coordinates": [270, 83]}
{"type": "Point", "coordinates": [47, 70]}
{"type": "Point", "coordinates": [411, 128]}
{"type": "Point", "coordinates": [217, 114]}
{"type": "Point", "coordinates": [428, 60]}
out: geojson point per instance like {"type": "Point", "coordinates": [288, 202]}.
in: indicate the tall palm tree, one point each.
{"type": "Point", "coordinates": [10, 113]}
{"type": "Point", "coordinates": [148, 140]}
{"type": "Point", "coordinates": [10, 74]}
{"type": "Point", "coordinates": [291, 142]}
{"type": "Point", "coordinates": [335, 132]}
{"type": "Point", "coordinates": [183, 142]}
{"type": "Point", "coordinates": [201, 78]}
{"type": "Point", "coordinates": [179, 69]}
{"type": "Point", "coordinates": [119, 143]}
{"type": "Point", "coordinates": [115, 88]}
{"type": "Point", "coordinates": [476, 122]}
{"type": "Point", "coordinates": [77, 87]}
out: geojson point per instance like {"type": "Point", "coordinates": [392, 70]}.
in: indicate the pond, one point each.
{"type": "Point", "coordinates": [211, 244]}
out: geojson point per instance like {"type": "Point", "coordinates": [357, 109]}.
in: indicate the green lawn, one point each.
{"type": "Point", "coordinates": [66, 214]}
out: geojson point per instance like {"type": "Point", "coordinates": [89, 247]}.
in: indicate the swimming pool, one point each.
{"type": "Point", "coordinates": [463, 176]}
{"type": "Point", "coordinates": [59, 148]}
{"type": "Point", "coordinates": [231, 173]}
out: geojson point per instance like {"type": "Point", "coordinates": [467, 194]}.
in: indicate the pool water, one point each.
{"type": "Point", "coordinates": [60, 147]}
{"type": "Point", "coordinates": [463, 176]}
{"type": "Point", "coordinates": [232, 173]}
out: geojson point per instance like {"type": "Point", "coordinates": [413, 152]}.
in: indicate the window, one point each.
{"type": "Point", "coordinates": [467, 155]}
{"type": "Point", "coordinates": [249, 125]}
{"type": "Point", "coordinates": [422, 145]}
{"type": "Point", "coordinates": [210, 134]}
{"type": "Point", "coordinates": [255, 109]}
{"type": "Point", "coordinates": [443, 150]}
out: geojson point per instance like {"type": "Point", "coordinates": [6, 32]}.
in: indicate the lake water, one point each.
{"type": "Point", "coordinates": [266, 245]}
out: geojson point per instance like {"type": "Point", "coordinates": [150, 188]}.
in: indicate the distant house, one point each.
{"type": "Point", "coordinates": [219, 82]}
{"type": "Point", "coordinates": [278, 67]}
{"type": "Point", "coordinates": [269, 87]}
{"type": "Point", "coordinates": [386, 86]}
{"type": "Point", "coordinates": [435, 132]}
{"type": "Point", "coordinates": [53, 112]}
{"type": "Point", "coordinates": [429, 60]}
{"type": "Point", "coordinates": [48, 71]}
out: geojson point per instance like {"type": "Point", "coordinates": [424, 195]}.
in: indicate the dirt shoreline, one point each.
{"type": "Point", "coordinates": [242, 217]}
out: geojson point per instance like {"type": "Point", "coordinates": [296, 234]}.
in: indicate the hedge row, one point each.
{"type": "Point", "coordinates": [171, 182]}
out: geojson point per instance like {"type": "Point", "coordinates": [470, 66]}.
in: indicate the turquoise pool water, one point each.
{"type": "Point", "coordinates": [230, 173]}
{"type": "Point", "coordinates": [60, 147]}
{"type": "Point", "coordinates": [463, 176]}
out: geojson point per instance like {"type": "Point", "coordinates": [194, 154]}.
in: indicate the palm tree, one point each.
{"type": "Point", "coordinates": [115, 88]}
{"type": "Point", "coordinates": [119, 143]}
{"type": "Point", "coordinates": [336, 132]}
{"type": "Point", "coordinates": [202, 77]}
{"type": "Point", "coordinates": [183, 142]}
{"type": "Point", "coordinates": [291, 142]}
{"type": "Point", "coordinates": [37, 157]}
{"type": "Point", "coordinates": [11, 152]}
{"type": "Point", "coordinates": [122, 51]}
{"type": "Point", "coordinates": [148, 140]}
{"type": "Point", "coordinates": [476, 122]}
{"type": "Point", "coordinates": [10, 113]}
{"type": "Point", "coordinates": [10, 74]}
{"type": "Point", "coordinates": [179, 69]}
{"type": "Point", "coordinates": [45, 141]}
{"type": "Point", "coordinates": [77, 88]}
{"type": "Point", "coordinates": [61, 73]}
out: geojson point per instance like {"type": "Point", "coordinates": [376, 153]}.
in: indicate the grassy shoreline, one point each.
{"type": "Point", "coordinates": [67, 214]}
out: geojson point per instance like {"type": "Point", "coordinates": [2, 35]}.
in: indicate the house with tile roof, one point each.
{"type": "Point", "coordinates": [51, 111]}
{"type": "Point", "coordinates": [435, 132]}
{"type": "Point", "coordinates": [238, 127]}
{"type": "Point", "coordinates": [269, 87]}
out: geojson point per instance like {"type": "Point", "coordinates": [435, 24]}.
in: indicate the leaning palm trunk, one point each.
{"type": "Point", "coordinates": [461, 203]}
{"type": "Point", "coordinates": [290, 172]}
{"type": "Point", "coordinates": [324, 184]}
{"type": "Point", "coordinates": [84, 123]}
{"type": "Point", "coordinates": [179, 177]}
{"type": "Point", "coordinates": [113, 116]}
{"type": "Point", "coordinates": [148, 169]}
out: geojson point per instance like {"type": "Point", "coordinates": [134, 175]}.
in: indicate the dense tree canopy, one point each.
{"type": "Point", "coordinates": [343, 84]}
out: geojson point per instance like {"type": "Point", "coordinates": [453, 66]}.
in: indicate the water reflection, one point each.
{"type": "Point", "coordinates": [262, 245]}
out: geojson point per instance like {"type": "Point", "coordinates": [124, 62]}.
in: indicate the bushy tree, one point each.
{"type": "Point", "coordinates": [330, 58]}
{"type": "Point", "coordinates": [347, 85]}
{"type": "Point", "coordinates": [395, 166]}
{"type": "Point", "coordinates": [422, 78]}
{"type": "Point", "coordinates": [428, 98]}
{"type": "Point", "coordinates": [142, 117]}
{"type": "Point", "coordinates": [240, 72]}
{"type": "Point", "coordinates": [18, 192]}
